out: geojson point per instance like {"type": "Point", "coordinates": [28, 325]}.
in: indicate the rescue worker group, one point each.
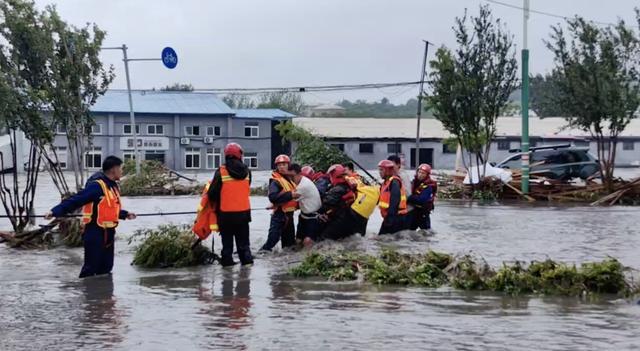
{"type": "Point", "coordinates": [333, 205]}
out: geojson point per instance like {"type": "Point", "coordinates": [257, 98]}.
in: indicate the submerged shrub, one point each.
{"type": "Point", "coordinates": [168, 246]}
{"type": "Point", "coordinates": [466, 272]}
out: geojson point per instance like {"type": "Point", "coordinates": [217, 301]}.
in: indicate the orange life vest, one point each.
{"type": "Point", "coordinates": [385, 197]}
{"type": "Point", "coordinates": [234, 196]}
{"type": "Point", "coordinates": [206, 219]}
{"type": "Point", "coordinates": [108, 208]}
{"type": "Point", "coordinates": [286, 186]}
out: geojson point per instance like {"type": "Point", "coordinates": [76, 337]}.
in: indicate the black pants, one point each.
{"type": "Point", "coordinates": [98, 250]}
{"type": "Point", "coordinates": [419, 219]}
{"type": "Point", "coordinates": [343, 225]}
{"type": "Point", "coordinates": [280, 229]}
{"type": "Point", "coordinates": [308, 226]}
{"type": "Point", "coordinates": [240, 231]}
{"type": "Point", "coordinates": [393, 224]}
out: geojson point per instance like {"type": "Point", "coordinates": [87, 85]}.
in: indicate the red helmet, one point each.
{"type": "Point", "coordinates": [425, 168]}
{"type": "Point", "coordinates": [233, 150]}
{"type": "Point", "coordinates": [282, 159]}
{"type": "Point", "coordinates": [307, 171]}
{"type": "Point", "coordinates": [337, 173]}
{"type": "Point", "coordinates": [388, 167]}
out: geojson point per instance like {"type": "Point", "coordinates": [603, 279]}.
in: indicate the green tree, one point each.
{"type": "Point", "coordinates": [177, 87]}
{"type": "Point", "coordinates": [471, 85]}
{"type": "Point", "coordinates": [286, 101]}
{"type": "Point", "coordinates": [23, 92]}
{"type": "Point", "coordinates": [599, 74]}
{"type": "Point", "coordinates": [77, 79]}
{"type": "Point", "coordinates": [310, 149]}
{"type": "Point", "coordinates": [235, 100]}
{"type": "Point", "coordinates": [545, 96]}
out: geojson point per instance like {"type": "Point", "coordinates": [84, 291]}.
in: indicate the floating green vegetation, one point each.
{"type": "Point", "coordinates": [467, 272]}
{"type": "Point", "coordinates": [168, 246]}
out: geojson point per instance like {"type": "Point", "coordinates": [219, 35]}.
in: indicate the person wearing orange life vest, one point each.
{"type": "Point", "coordinates": [282, 195]}
{"type": "Point", "coordinates": [423, 191]}
{"type": "Point", "coordinates": [101, 211]}
{"type": "Point", "coordinates": [229, 195]}
{"type": "Point", "coordinates": [393, 200]}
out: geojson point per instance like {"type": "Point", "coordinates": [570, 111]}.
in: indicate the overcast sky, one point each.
{"type": "Point", "coordinates": [264, 43]}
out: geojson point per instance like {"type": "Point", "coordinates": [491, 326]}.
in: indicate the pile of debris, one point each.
{"type": "Point", "coordinates": [156, 179]}
{"type": "Point", "coordinates": [541, 188]}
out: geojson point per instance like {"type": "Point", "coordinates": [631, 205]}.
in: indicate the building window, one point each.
{"type": "Point", "coordinates": [214, 158]}
{"type": "Point", "coordinates": [394, 148]}
{"type": "Point", "coordinates": [449, 149]}
{"type": "Point", "coordinates": [61, 130]}
{"type": "Point", "coordinates": [251, 159]}
{"type": "Point", "coordinates": [192, 130]}
{"type": "Point", "coordinates": [214, 131]}
{"type": "Point", "coordinates": [251, 130]}
{"type": "Point", "coordinates": [532, 143]}
{"type": "Point", "coordinates": [628, 145]}
{"type": "Point", "coordinates": [192, 158]}
{"type": "Point", "coordinates": [96, 129]}
{"type": "Point", "coordinates": [61, 153]}
{"type": "Point", "coordinates": [605, 146]}
{"type": "Point", "coordinates": [504, 145]}
{"type": "Point", "coordinates": [93, 158]}
{"type": "Point", "coordinates": [126, 129]}
{"type": "Point", "coordinates": [366, 148]}
{"type": "Point", "coordinates": [155, 129]}
{"type": "Point", "coordinates": [338, 146]}
{"type": "Point", "coordinates": [580, 143]}
{"type": "Point", "coordinates": [128, 155]}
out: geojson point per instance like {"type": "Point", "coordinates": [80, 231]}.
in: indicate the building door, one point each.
{"type": "Point", "coordinates": [153, 156]}
{"type": "Point", "coordinates": [426, 156]}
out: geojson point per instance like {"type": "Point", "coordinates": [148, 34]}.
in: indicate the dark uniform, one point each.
{"type": "Point", "coordinates": [98, 241]}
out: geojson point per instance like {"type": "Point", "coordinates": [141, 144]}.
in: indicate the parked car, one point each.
{"type": "Point", "coordinates": [561, 162]}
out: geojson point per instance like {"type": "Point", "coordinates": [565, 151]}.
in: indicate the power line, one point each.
{"type": "Point", "coordinates": [544, 13]}
{"type": "Point", "coordinates": [303, 89]}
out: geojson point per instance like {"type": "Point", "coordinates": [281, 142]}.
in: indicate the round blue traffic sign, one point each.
{"type": "Point", "coordinates": [169, 58]}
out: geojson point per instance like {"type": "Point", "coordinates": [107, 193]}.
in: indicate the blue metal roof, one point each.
{"type": "Point", "coordinates": [263, 113]}
{"type": "Point", "coordinates": [161, 102]}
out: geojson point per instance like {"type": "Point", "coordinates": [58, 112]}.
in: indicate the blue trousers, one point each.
{"type": "Point", "coordinates": [280, 229]}
{"type": "Point", "coordinates": [98, 250]}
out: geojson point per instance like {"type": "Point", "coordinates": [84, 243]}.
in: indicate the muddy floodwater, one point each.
{"type": "Point", "coordinates": [44, 306]}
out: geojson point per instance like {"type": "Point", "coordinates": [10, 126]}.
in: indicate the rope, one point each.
{"type": "Point", "coordinates": [150, 214]}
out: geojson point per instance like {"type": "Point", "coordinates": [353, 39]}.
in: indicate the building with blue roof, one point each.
{"type": "Point", "coordinates": [186, 131]}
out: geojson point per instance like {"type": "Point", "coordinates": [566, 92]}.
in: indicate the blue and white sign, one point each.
{"type": "Point", "coordinates": [169, 58]}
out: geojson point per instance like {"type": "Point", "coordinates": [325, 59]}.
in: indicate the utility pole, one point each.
{"type": "Point", "coordinates": [420, 94]}
{"type": "Point", "coordinates": [132, 115]}
{"type": "Point", "coordinates": [525, 102]}
{"type": "Point", "coordinates": [170, 60]}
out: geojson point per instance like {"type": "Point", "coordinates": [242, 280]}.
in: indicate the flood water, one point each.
{"type": "Point", "coordinates": [43, 305]}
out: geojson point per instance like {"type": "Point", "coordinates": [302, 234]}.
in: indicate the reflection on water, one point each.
{"type": "Point", "coordinates": [100, 320]}
{"type": "Point", "coordinates": [44, 306]}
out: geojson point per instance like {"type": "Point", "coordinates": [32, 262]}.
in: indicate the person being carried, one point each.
{"type": "Point", "coordinates": [101, 211]}
{"type": "Point", "coordinates": [342, 221]}
{"type": "Point", "coordinates": [422, 196]}
{"type": "Point", "coordinates": [283, 197]}
{"type": "Point", "coordinates": [309, 202]}
{"type": "Point", "coordinates": [393, 199]}
{"type": "Point", "coordinates": [229, 191]}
